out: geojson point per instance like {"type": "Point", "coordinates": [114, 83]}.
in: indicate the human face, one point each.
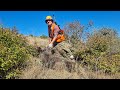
{"type": "Point", "coordinates": [49, 22]}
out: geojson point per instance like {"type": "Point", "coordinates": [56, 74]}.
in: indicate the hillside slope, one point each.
{"type": "Point", "coordinates": [56, 63]}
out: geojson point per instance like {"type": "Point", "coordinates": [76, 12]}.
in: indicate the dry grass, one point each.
{"type": "Point", "coordinates": [37, 41]}
{"type": "Point", "coordinates": [36, 70]}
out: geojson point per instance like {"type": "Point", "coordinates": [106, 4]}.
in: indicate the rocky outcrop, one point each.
{"type": "Point", "coordinates": [57, 57]}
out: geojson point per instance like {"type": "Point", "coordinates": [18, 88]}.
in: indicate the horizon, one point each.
{"type": "Point", "coordinates": [33, 22]}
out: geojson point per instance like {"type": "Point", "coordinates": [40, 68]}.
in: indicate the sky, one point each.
{"type": "Point", "coordinates": [33, 22]}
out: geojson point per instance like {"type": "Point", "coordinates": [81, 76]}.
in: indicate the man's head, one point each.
{"type": "Point", "coordinates": [49, 20]}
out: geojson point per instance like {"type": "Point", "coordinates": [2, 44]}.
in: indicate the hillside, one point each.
{"type": "Point", "coordinates": [27, 57]}
{"type": "Point", "coordinates": [56, 64]}
{"type": "Point", "coordinates": [50, 63]}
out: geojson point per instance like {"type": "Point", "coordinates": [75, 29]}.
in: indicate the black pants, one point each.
{"type": "Point", "coordinates": [55, 43]}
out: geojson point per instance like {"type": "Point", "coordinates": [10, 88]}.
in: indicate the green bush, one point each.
{"type": "Point", "coordinates": [43, 36]}
{"type": "Point", "coordinates": [31, 35]}
{"type": "Point", "coordinates": [101, 39]}
{"type": "Point", "coordinates": [104, 54]}
{"type": "Point", "coordinates": [106, 64]}
{"type": "Point", "coordinates": [14, 51]}
{"type": "Point", "coordinates": [102, 51]}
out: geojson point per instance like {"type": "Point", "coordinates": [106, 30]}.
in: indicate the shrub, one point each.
{"type": "Point", "coordinates": [104, 53]}
{"type": "Point", "coordinates": [14, 51]}
{"type": "Point", "coordinates": [43, 36]}
{"type": "Point", "coordinates": [101, 39]}
{"type": "Point", "coordinates": [31, 35]}
{"type": "Point", "coordinates": [73, 32]}
{"type": "Point", "coordinates": [99, 52]}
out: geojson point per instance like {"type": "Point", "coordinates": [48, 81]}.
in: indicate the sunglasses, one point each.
{"type": "Point", "coordinates": [47, 21]}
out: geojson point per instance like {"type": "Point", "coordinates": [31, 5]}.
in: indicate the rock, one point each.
{"type": "Point", "coordinates": [58, 58]}
{"type": "Point", "coordinates": [71, 57]}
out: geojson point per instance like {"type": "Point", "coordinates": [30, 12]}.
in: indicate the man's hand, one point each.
{"type": "Point", "coordinates": [51, 45]}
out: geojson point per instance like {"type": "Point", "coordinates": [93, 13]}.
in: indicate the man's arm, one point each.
{"type": "Point", "coordinates": [50, 40]}
{"type": "Point", "coordinates": [53, 40]}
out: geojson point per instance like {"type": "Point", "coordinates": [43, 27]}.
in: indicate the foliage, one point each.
{"type": "Point", "coordinates": [43, 36]}
{"type": "Point", "coordinates": [31, 35]}
{"type": "Point", "coordinates": [100, 51]}
{"type": "Point", "coordinates": [14, 51]}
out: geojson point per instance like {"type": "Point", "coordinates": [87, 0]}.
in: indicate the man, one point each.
{"type": "Point", "coordinates": [56, 35]}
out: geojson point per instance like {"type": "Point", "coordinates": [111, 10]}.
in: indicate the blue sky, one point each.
{"type": "Point", "coordinates": [33, 22]}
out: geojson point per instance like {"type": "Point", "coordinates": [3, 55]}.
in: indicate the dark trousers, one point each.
{"type": "Point", "coordinates": [55, 43]}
